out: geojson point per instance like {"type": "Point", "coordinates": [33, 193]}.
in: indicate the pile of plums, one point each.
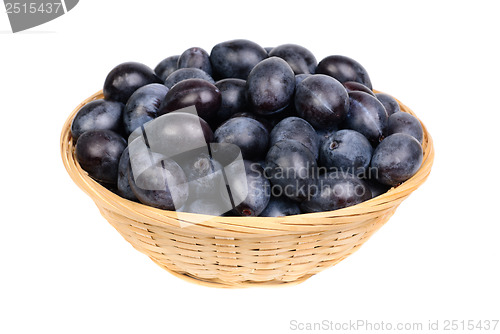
{"type": "Point", "coordinates": [313, 136]}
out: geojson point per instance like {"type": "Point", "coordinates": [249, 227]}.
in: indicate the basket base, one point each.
{"type": "Point", "coordinates": [216, 283]}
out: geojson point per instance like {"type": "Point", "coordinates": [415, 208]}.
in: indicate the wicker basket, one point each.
{"type": "Point", "coordinates": [235, 252]}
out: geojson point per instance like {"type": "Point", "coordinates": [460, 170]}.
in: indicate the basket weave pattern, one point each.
{"type": "Point", "coordinates": [243, 251]}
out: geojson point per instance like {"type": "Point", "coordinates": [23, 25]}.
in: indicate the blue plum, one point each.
{"type": "Point", "coordinates": [290, 166]}
{"type": "Point", "coordinates": [321, 100]}
{"type": "Point", "coordinates": [142, 159]}
{"type": "Point", "coordinates": [300, 59]}
{"type": "Point", "coordinates": [323, 134]}
{"type": "Point", "coordinates": [234, 100]}
{"type": "Point", "coordinates": [376, 187]}
{"type": "Point", "coordinates": [397, 158]}
{"type": "Point", "coordinates": [259, 118]}
{"type": "Point", "coordinates": [166, 67]}
{"type": "Point", "coordinates": [177, 132]}
{"type": "Point", "coordinates": [195, 58]}
{"type": "Point", "coordinates": [344, 69]}
{"type": "Point", "coordinates": [270, 86]}
{"type": "Point", "coordinates": [294, 128]}
{"type": "Point", "coordinates": [200, 93]}
{"type": "Point", "coordinates": [299, 78]}
{"type": "Point", "coordinates": [163, 185]}
{"type": "Point", "coordinates": [235, 58]}
{"type": "Point", "coordinates": [248, 134]}
{"type": "Point", "coordinates": [254, 191]}
{"type": "Point", "coordinates": [390, 103]}
{"type": "Point", "coordinates": [125, 79]}
{"type": "Point", "coordinates": [346, 151]}
{"type": "Point", "coordinates": [200, 170]}
{"type": "Point", "coordinates": [98, 152]}
{"type": "Point", "coordinates": [280, 207]}
{"type": "Point", "coordinates": [187, 73]}
{"type": "Point", "coordinates": [143, 106]}
{"type": "Point", "coordinates": [123, 187]}
{"type": "Point", "coordinates": [336, 191]}
{"type": "Point", "coordinates": [366, 115]}
{"type": "Point", "coordinates": [352, 86]}
{"type": "Point", "coordinates": [97, 115]}
{"type": "Point", "coordinates": [402, 122]}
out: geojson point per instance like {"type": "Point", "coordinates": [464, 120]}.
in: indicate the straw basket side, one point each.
{"type": "Point", "coordinates": [235, 252]}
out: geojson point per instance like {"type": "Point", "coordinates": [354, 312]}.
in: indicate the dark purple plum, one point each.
{"type": "Point", "coordinates": [200, 93]}
{"type": "Point", "coordinates": [248, 134]}
{"type": "Point", "coordinates": [250, 194]}
{"type": "Point", "coordinates": [277, 117]}
{"type": "Point", "coordinates": [263, 120]}
{"type": "Point", "coordinates": [97, 115]}
{"type": "Point", "coordinates": [346, 151]}
{"type": "Point", "coordinates": [123, 187]}
{"type": "Point", "coordinates": [367, 116]}
{"type": "Point", "coordinates": [235, 58]}
{"type": "Point", "coordinates": [177, 133]}
{"type": "Point", "coordinates": [290, 166]}
{"type": "Point", "coordinates": [344, 69]}
{"type": "Point", "coordinates": [402, 122]}
{"type": "Point", "coordinates": [294, 128]}
{"type": "Point", "coordinates": [142, 158]}
{"type": "Point", "coordinates": [336, 191]}
{"type": "Point", "coordinates": [187, 73]}
{"type": "Point", "coordinates": [143, 106]}
{"type": "Point", "coordinates": [396, 159]}
{"type": "Point", "coordinates": [195, 58]}
{"type": "Point", "coordinates": [162, 185]}
{"type": "Point", "coordinates": [98, 152]}
{"type": "Point", "coordinates": [233, 98]}
{"type": "Point", "coordinates": [301, 60]}
{"type": "Point", "coordinates": [201, 171]}
{"type": "Point", "coordinates": [166, 67]}
{"type": "Point", "coordinates": [324, 133]}
{"type": "Point", "coordinates": [270, 86]}
{"type": "Point", "coordinates": [289, 111]}
{"type": "Point", "coordinates": [125, 79]}
{"type": "Point", "coordinates": [390, 103]}
{"type": "Point", "coordinates": [322, 101]}
{"type": "Point", "coordinates": [353, 86]}
{"type": "Point", "coordinates": [377, 188]}
{"type": "Point", "coordinates": [299, 78]}
{"type": "Point", "coordinates": [280, 207]}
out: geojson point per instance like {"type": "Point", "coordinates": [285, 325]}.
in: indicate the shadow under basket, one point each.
{"type": "Point", "coordinates": [236, 252]}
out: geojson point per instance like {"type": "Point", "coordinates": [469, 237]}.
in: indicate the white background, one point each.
{"type": "Point", "coordinates": [64, 269]}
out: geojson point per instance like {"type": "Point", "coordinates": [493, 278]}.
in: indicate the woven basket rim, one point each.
{"type": "Point", "coordinates": [302, 223]}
